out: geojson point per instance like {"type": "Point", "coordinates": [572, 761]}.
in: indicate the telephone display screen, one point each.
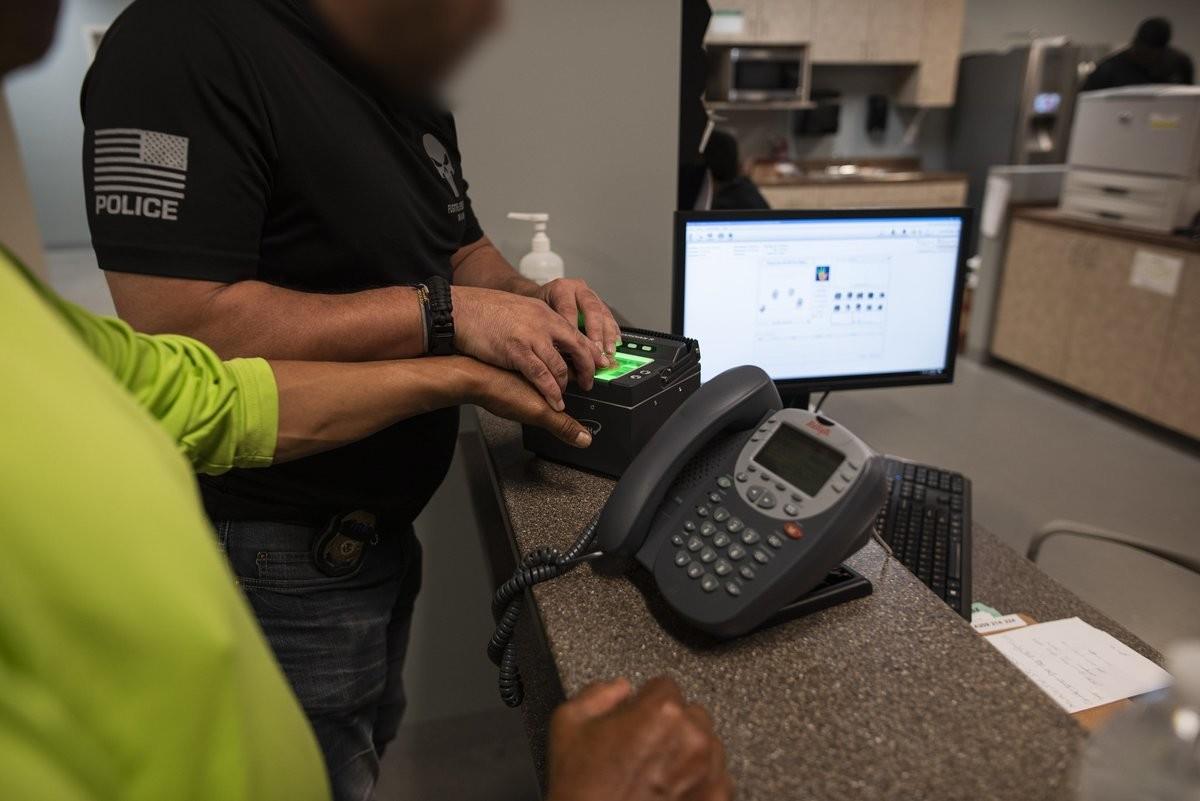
{"type": "Point", "coordinates": [799, 459]}
{"type": "Point", "coordinates": [626, 364]}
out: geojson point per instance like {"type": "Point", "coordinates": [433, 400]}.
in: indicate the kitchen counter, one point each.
{"type": "Point", "coordinates": [771, 178]}
{"type": "Point", "coordinates": [892, 696]}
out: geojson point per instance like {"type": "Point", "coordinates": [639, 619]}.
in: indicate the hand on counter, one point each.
{"type": "Point", "coordinates": [608, 743]}
{"type": "Point", "coordinates": [507, 394]}
{"type": "Point", "coordinates": [525, 334]}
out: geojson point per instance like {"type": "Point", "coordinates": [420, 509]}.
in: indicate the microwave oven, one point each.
{"type": "Point", "coordinates": [757, 74]}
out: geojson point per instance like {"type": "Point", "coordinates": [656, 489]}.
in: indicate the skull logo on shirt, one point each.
{"type": "Point", "coordinates": [441, 160]}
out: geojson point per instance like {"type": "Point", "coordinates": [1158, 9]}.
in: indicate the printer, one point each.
{"type": "Point", "coordinates": [1134, 157]}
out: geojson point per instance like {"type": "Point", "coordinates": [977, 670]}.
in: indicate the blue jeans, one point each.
{"type": "Point", "coordinates": [340, 641]}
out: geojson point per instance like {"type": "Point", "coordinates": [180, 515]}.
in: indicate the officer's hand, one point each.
{"type": "Point", "coordinates": [507, 394]}
{"type": "Point", "coordinates": [524, 334]}
{"type": "Point", "coordinates": [569, 297]}
{"type": "Point", "coordinates": [606, 743]}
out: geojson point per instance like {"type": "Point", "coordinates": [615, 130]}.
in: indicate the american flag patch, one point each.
{"type": "Point", "coordinates": [134, 161]}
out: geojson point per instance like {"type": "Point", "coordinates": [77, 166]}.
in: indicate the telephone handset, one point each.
{"type": "Point", "coordinates": [737, 506]}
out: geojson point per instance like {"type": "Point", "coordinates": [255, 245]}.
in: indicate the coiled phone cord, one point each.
{"type": "Point", "coordinates": [541, 565]}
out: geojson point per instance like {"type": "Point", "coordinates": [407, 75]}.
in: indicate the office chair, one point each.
{"type": "Point", "coordinates": [1075, 529]}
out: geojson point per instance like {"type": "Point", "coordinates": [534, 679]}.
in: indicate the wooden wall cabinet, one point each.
{"type": "Point", "coordinates": [1069, 312]}
{"type": "Point", "coordinates": [933, 82]}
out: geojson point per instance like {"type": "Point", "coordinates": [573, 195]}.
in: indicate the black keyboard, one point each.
{"type": "Point", "coordinates": [927, 523]}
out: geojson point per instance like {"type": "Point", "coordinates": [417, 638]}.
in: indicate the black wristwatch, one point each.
{"type": "Point", "coordinates": [440, 320]}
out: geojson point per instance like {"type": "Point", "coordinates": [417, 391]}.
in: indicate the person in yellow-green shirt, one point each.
{"type": "Point", "coordinates": [130, 666]}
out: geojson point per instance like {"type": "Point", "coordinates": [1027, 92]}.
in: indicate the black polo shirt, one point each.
{"type": "Point", "coordinates": [229, 140]}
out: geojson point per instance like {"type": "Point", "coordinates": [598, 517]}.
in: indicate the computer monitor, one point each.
{"type": "Point", "coordinates": [823, 300]}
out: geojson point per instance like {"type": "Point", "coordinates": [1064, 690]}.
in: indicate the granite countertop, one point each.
{"type": "Point", "coordinates": [1053, 216]}
{"type": "Point", "coordinates": [892, 696]}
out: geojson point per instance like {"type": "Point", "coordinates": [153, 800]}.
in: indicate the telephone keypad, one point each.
{"type": "Point", "coordinates": [720, 514]}
{"type": "Point", "coordinates": [761, 556]}
{"type": "Point", "coordinates": [707, 529]}
{"type": "Point", "coordinates": [709, 583]}
{"type": "Point", "coordinates": [774, 541]}
{"type": "Point", "coordinates": [722, 568]}
{"type": "Point", "coordinates": [736, 552]}
{"type": "Point", "coordinates": [701, 511]}
{"type": "Point", "coordinates": [689, 526]}
{"type": "Point", "coordinates": [750, 536]}
{"type": "Point", "coordinates": [721, 540]}
{"type": "Point", "coordinates": [677, 540]}
{"type": "Point", "coordinates": [715, 497]}
{"type": "Point", "coordinates": [734, 525]}
{"type": "Point", "coordinates": [695, 570]}
{"type": "Point", "coordinates": [746, 572]}
{"type": "Point", "coordinates": [707, 555]}
{"type": "Point", "coordinates": [682, 558]}
{"type": "Point", "coordinates": [732, 588]}
{"type": "Point", "coordinates": [724, 482]}
{"type": "Point", "coordinates": [695, 544]}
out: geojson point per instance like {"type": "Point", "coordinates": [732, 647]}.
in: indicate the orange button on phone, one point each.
{"type": "Point", "coordinates": [793, 530]}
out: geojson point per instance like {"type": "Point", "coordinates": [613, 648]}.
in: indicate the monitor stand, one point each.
{"type": "Point", "coordinates": [796, 400]}
{"type": "Point", "coordinates": [841, 585]}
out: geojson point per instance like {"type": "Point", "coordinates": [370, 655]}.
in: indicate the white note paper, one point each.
{"type": "Point", "coordinates": [1156, 272]}
{"type": "Point", "coordinates": [1078, 665]}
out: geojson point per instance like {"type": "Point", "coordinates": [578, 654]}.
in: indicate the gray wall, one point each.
{"type": "Point", "coordinates": [996, 24]}
{"type": "Point", "coordinates": [573, 110]}
{"type": "Point", "coordinates": [45, 109]}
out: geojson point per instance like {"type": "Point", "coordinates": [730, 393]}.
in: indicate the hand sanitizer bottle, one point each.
{"type": "Point", "coordinates": [541, 264]}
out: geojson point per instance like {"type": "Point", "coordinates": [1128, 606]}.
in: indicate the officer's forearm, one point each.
{"type": "Point", "coordinates": [481, 264]}
{"type": "Point", "coordinates": [253, 318]}
{"type": "Point", "coordinates": [323, 405]}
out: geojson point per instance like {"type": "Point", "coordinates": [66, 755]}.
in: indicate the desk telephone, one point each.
{"type": "Point", "coordinates": [737, 507]}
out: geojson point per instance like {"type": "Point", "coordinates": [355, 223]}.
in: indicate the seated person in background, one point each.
{"type": "Point", "coordinates": [130, 666]}
{"type": "Point", "coordinates": [731, 188]}
{"type": "Point", "coordinates": [1149, 59]}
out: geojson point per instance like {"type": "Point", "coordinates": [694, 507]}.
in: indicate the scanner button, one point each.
{"type": "Point", "coordinates": [791, 509]}
{"type": "Point", "coordinates": [701, 511]}
{"type": "Point", "coordinates": [724, 482]}
{"type": "Point", "coordinates": [695, 570]}
{"type": "Point", "coordinates": [767, 501]}
{"type": "Point", "coordinates": [723, 568]}
{"type": "Point", "coordinates": [793, 530]}
{"type": "Point", "coordinates": [743, 478]}
{"type": "Point", "coordinates": [695, 544]}
{"type": "Point", "coordinates": [677, 540]}
{"type": "Point", "coordinates": [750, 536]}
{"type": "Point", "coordinates": [709, 583]}
{"type": "Point", "coordinates": [682, 558]}
{"type": "Point", "coordinates": [720, 514]}
{"type": "Point", "coordinates": [715, 497]}
{"type": "Point", "coordinates": [721, 540]}
{"type": "Point", "coordinates": [761, 556]}
{"type": "Point", "coordinates": [746, 572]}
{"type": "Point", "coordinates": [736, 552]}
{"type": "Point", "coordinates": [732, 588]}
{"type": "Point", "coordinates": [754, 493]}
{"type": "Point", "coordinates": [688, 525]}
{"type": "Point", "coordinates": [707, 529]}
{"type": "Point", "coordinates": [707, 555]}
{"type": "Point", "coordinates": [734, 525]}
{"type": "Point", "coordinates": [774, 541]}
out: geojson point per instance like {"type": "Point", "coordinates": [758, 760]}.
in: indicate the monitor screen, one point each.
{"type": "Point", "coordinates": [825, 299]}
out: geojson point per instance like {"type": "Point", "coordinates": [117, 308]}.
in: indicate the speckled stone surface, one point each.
{"type": "Point", "coordinates": [889, 697]}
